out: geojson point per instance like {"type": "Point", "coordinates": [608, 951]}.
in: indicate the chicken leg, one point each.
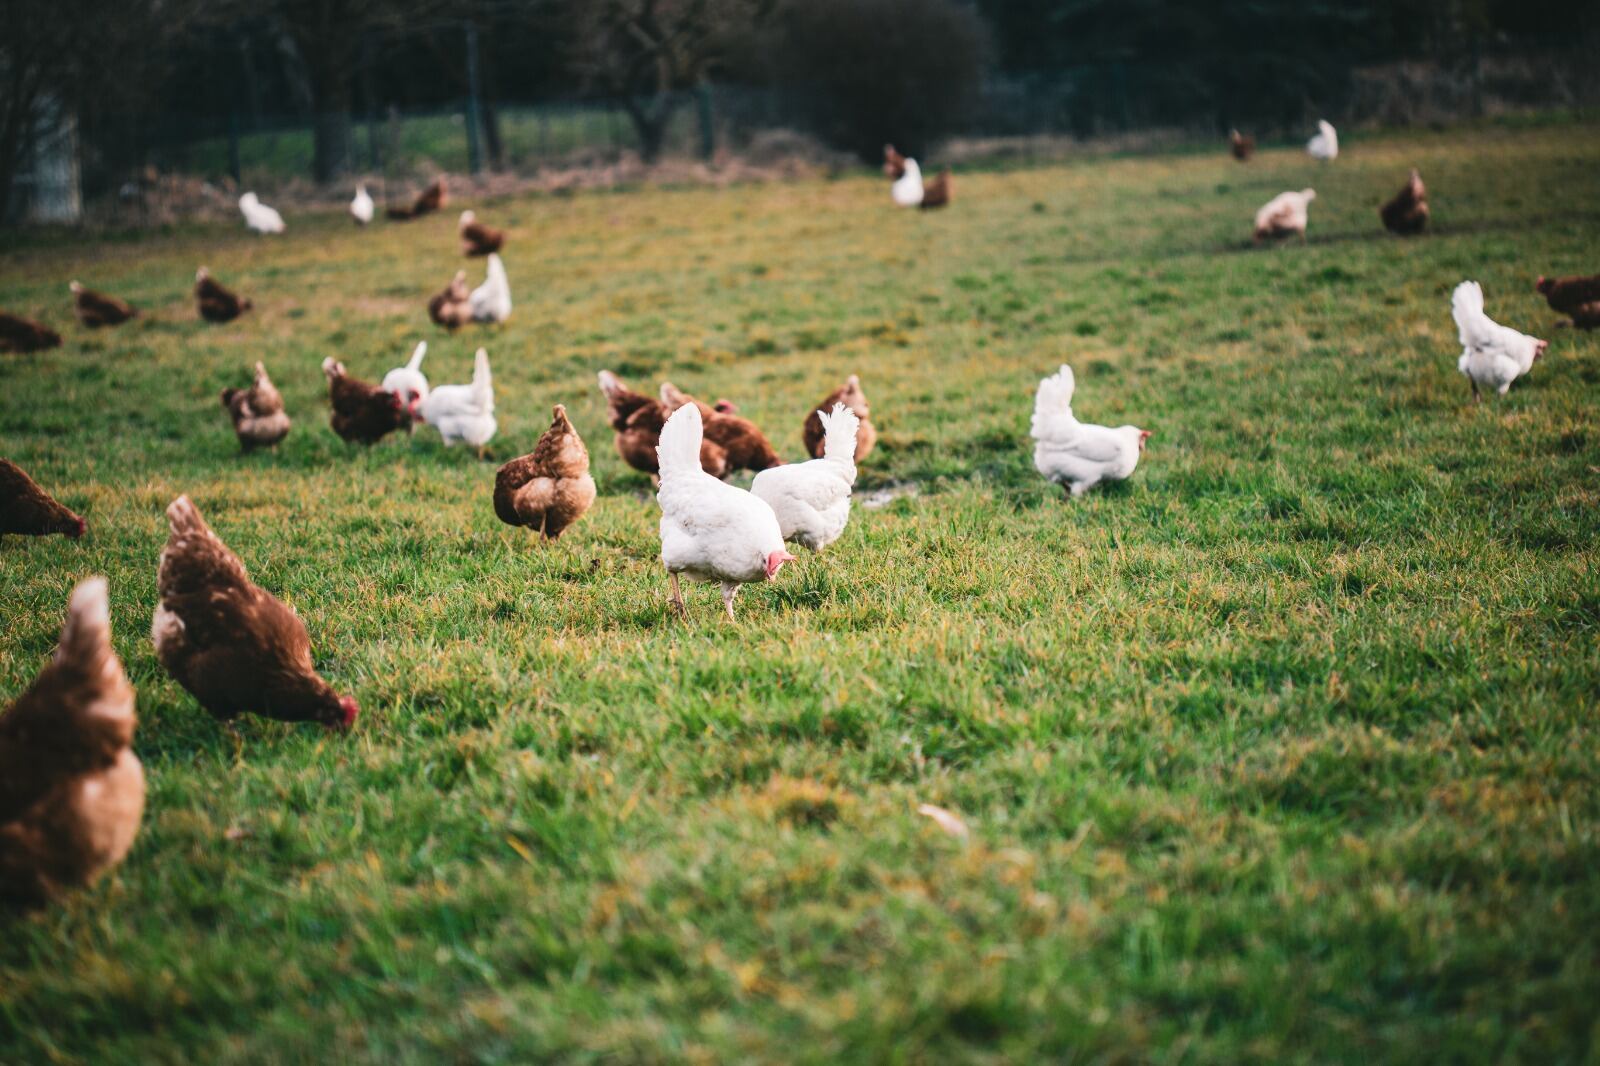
{"type": "Point", "coordinates": [675, 597]}
{"type": "Point", "coordinates": [729, 591]}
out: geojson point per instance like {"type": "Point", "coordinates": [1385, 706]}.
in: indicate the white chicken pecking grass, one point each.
{"type": "Point", "coordinates": [362, 207]}
{"type": "Point", "coordinates": [710, 530]}
{"type": "Point", "coordinates": [1284, 215]}
{"type": "Point", "coordinates": [1325, 145]}
{"type": "Point", "coordinates": [464, 412]}
{"type": "Point", "coordinates": [491, 301]}
{"type": "Point", "coordinates": [408, 382]}
{"type": "Point", "coordinates": [812, 499]}
{"type": "Point", "coordinates": [258, 216]}
{"type": "Point", "coordinates": [1073, 454]}
{"type": "Point", "coordinates": [1492, 355]}
{"type": "Point", "coordinates": [907, 188]}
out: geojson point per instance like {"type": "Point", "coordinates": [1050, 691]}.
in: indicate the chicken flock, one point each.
{"type": "Point", "coordinates": [71, 790]}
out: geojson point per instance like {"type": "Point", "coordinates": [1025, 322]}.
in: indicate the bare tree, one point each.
{"type": "Point", "coordinates": [645, 53]}
{"type": "Point", "coordinates": [60, 58]}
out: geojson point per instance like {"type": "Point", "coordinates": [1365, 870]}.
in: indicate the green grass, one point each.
{"type": "Point", "coordinates": [1284, 750]}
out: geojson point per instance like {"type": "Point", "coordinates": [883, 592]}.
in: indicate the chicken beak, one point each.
{"type": "Point", "coordinates": [775, 561]}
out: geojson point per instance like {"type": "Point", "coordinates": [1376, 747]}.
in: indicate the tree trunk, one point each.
{"type": "Point", "coordinates": [650, 124]}
{"type": "Point", "coordinates": [331, 65]}
{"type": "Point", "coordinates": [331, 142]}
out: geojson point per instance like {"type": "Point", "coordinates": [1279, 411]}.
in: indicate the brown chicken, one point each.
{"type": "Point", "coordinates": [746, 446]}
{"type": "Point", "coordinates": [259, 419]}
{"type": "Point", "coordinates": [431, 199]}
{"type": "Point", "coordinates": [851, 396]}
{"type": "Point", "coordinates": [550, 488]}
{"type": "Point", "coordinates": [1575, 296]}
{"type": "Point", "coordinates": [452, 308]}
{"type": "Point", "coordinates": [96, 309]}
{"type": "Point", "coordinates": [637, 420]}
{"type": "Point", "coordinates": [18, 334]}
{"type": "Point", "coordinates": [1241, 146]}
{"type": "Point", "coordinates": [217, 303]}
{"type": "Point", "coordinates": [1407, 214]}
{"type": "Point", "coordinates": [28, 510]}
{"type": "Point", "coordinates": [478, 239]}
{"type": "Point", "coordinates": [71, 789]}
{"type": "Point", "coordinates": [894, 164]}
{"type": "Point", "coordinates": [234, 646]}
{"type": "Point", "coordinates": [938, 192]}
{"type": "Point", "coordinates": [362, 412]}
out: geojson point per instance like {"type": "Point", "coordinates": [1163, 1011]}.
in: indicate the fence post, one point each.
{"type": "Point", "coordinates": [474, 163]}
{"type": "Point", "coordinates": [233, 146]}
{"type": "Point", "coordinates": [708, 133]}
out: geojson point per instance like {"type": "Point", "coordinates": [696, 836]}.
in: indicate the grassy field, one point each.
{"type": "Point", "coordinates": [1285, 750]}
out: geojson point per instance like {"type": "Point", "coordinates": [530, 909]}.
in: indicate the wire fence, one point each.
{"type": "Point", "coordinates": [1011, 117]}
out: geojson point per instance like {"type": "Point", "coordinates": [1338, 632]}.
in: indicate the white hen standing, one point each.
{"type": "Point", "coordinates": [1284, 214]}
{"type": "Point", "coordinates": [361, 207]}
{"type": "Point", "coordinates": [491, 301]}
{"type": "Point", "coordinates": [258, 216]}
{"type": "Point", "coordinates": [1325, 145]}
{"type": "Point", "coordinates": [907, 188]}
{"type": "Point", "coordinates": [710, 530]}
{"type": "Point", "coordinates": [408, 382]}
{"type": "Point", "coordinates": [1492, 355]}
{"type": "Point", "coordinates": [812, 499]}
{"type": "Point", "coordinates": [1073, 454]}
{"type": "Point", "coordinates": [464, 412]}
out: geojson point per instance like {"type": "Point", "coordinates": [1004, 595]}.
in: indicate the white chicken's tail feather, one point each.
{"type": "Point", "coordinates": [679, 449]}
{"type": "Point", "coordinates": [1053, 403]}
{"type": "Point", "coordinates": [482, 383]}
{"type": "Point", "coordinates": [497, 272]}
{"type": "Point", "coordinates": [839, 434]}
{"type": "Point", "coordinates": [416, 356]}
{"type": "Point", "coordinates": [1466, 306]}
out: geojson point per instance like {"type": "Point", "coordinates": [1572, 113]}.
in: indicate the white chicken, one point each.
{"type": "Point", "coordinates": [907, 188]}
{"type": "Point", "coordinates": [491, 301]}
{"type": "Point", "coordinates": [361, 207]}
{"type": "Point", "coordinates": [258, 216]}
{"type": "Point", "coordinates": [1073, 454]}
{"type": "Point", "coordinates": [710, 530]}
{"type": "Point", "coordinates": [1325, 145]}
{"type": "Point", "coordinates": [1492, 355]}
{"type": "Point", "coordinates": [1284, 214]}
{"type": "Point", "coordinates": [408, 382]}
{"type": "Point", "coordinates": [812, 499]}
{"type": "Point", "coordinates": [463, 412]}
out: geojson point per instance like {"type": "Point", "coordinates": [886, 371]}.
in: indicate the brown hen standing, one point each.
{"type": "Point", "coordinates": [638, 420]}
{"type": "Point", "coordinates": [29, 511]}
{"type": "Point", "coordinates": [851, 396]}
{"type": "Point", "coordinates": [362, 412]}
{"type": "Point", "coordinates": [259, 419]}
{"type": "Point", "coordinates": [478, 239]}
{"type": "Point", "coordinates": [23, 335]}
{"type": "Point", "coordinates": [233, 645]}
{"type": "Point", "coordinates": [96, 309]}
{"type": "Point", "coordinates": [216, 302]}
{"type": "Point", "coordinates": [550, 488]}
{"type": "Point", "coordinates": [71, 789]}
{"type": "Point", "coordinates": [746, 446]}
{"type": "Point", "coordinates": [1407, 214]}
